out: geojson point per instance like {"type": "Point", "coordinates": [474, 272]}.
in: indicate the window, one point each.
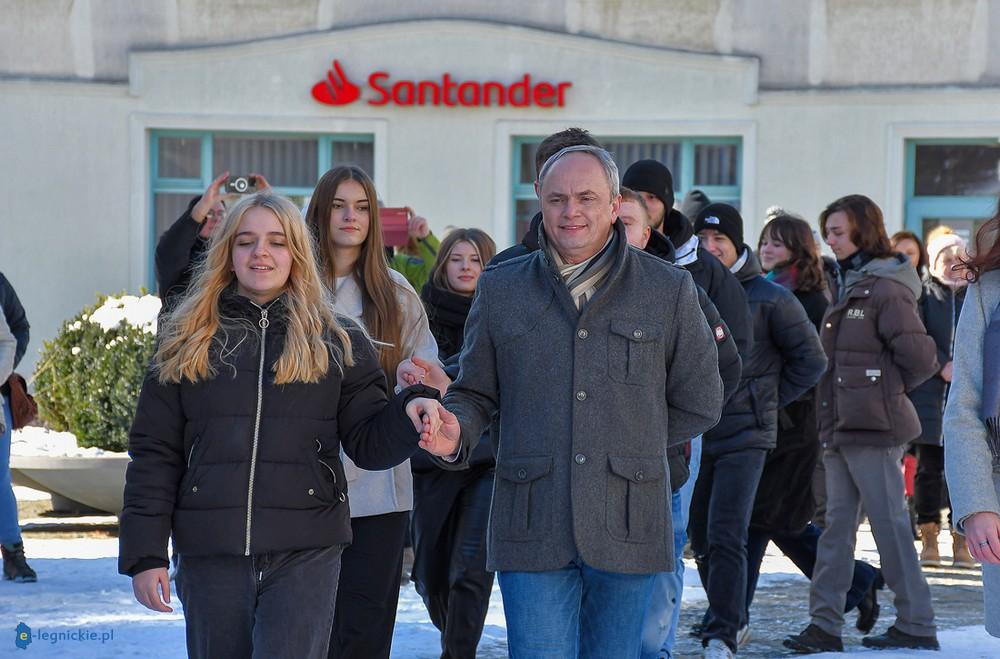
{"type": "Point", "coordinates": [951, 182]}
{"type": "Point", "coordinates": [710, 164]}
{"type": "Point", "coordinates": [184, 163]}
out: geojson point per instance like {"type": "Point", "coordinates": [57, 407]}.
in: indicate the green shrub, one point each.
{"type": "Point", "coordinates": [88, 379]}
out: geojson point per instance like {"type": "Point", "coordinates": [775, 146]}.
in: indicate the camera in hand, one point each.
{"type": "Point", "coordinates": [395, 226]}
{"type": "Point", "coordinates": [241, 184]}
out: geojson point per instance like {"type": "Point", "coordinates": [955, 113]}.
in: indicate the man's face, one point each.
{"type": "Point", "coordinates": [657, 211]}
{"type": "Point", "coordinates": [719, 245]}
{"type": "Point", "coordinates": [838, 235]}
{"type": "Point", "coordinates": [636, 222]}
{"type": "Point", "coordinates": [577, 207]}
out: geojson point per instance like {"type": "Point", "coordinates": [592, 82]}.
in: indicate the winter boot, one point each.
{"type": "Point", "coordinates": [961, 558]}
{"type": "Point", "coordinates": [929, 555]}
{"type": "Point", "coordinates": [15, 568]}
{"type": "Point", "coordinates": [813, 640]}
{"type": "Point", "coordinates": [893, 638]}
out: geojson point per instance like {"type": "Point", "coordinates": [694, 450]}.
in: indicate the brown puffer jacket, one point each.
{"type": "Point", "coordinates": [878, 350]}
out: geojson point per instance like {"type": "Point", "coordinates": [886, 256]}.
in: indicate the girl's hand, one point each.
{"type": "Point", "coordinates": [420, 371]}
{"type": "Point", "coordinates": [982, 534]}
{"type": "Point", "coordinates": [147, 587]}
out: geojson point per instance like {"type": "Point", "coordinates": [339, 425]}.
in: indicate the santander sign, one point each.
{"type": "Point", "coordinates": [382, 89]}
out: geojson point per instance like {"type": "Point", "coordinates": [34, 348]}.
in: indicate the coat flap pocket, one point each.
{"type": "Point", "coordinates": [524, 469]}
{"type": "Point", "coordinates": [858, 376]}
{"type": "Point", "coordinates": [637, 331]}
{"type": "Point", "coordinates": [637, 470]}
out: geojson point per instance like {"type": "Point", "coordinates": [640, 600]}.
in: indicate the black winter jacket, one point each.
{"type": "Point", "coordinates": [939, 307]}
{"type": "Point", "coordinates": [179, 250]}
{"type": "Point", "coordinates": [786, 361]}
{"type": "Point", "coordinates": [16, 319]}
{"type": "Point", "coordinates": [236, 465]}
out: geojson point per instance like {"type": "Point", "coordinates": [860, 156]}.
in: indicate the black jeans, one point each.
{"type": "Point", "coordinates": [929, 490]}
{"type": "Point", "coordinates": [720, 519]}
{"type": "Point", "coordinates": [277, 604]}
{"type": "Point", "coordinates": [450, 512]}
{"type": "Point", "coordinates": [371, 571]}
{"type": "Point", "coordinates": [801, 550]}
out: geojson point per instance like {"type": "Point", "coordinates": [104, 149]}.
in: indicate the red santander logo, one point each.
{"type": "Point", "coordinates": [338, 89]}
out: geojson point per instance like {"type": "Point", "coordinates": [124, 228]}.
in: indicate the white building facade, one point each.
{"type": "Point", "coordinates": [115, 114]}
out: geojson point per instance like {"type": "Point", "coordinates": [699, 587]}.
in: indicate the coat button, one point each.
{"type": "Point", "coordinates": [824, 403]}
{"type": "Point", "coordinates": [522, 474]}
{"type": "Point", "coordinates": [194, 489]}
{"type": "Point", "coordinates": [840, 379]}
{"type": "Point", "coordinates": [639, 475]}
{"type": "Point", "coordinates": [867, 291]}
{"type": "Point", "coordinates": [637, 334]}
{"type": "Point", "coordinates": [581, 395]}
{"type": "Point", "coordinates": [582, 333]}
{"type": "Point", "coordinates": [311, 491]}
{"type": "Point", "coordinates": [580, 458]}
{"type": "Point", "coordinates": [829, 325]}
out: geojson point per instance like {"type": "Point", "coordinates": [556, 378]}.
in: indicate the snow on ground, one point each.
{"type": "Point", "coordinates": [38, 441]}
{"type": "Point", "coordinates": [80, 590]}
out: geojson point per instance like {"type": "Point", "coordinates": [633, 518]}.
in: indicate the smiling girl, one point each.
{"type": "Point", "coordinates": [254, 388]}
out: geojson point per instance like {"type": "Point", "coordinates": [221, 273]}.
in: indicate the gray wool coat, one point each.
{"type": "Point", "coordinates": [973, 484]}
{"type": "Point", "coordinates": [588, 403]}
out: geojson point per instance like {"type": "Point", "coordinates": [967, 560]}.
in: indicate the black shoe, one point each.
{"type": "Point", "coordinates": [868, 608]}
{"type": "Point", "coordinates": [813, 639]}
{"type": "Point", "coordinates": [15, 568]}
{"type": "Point", "coordinates": [893, 638]}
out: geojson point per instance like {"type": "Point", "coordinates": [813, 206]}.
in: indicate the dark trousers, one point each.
{"type": "Point", "coordinates": [929, 489]}
{"type": "Point", "coordinates": [277, 604]}
{"type": "Point", "coordinates": [371, 570]}
{"type": "Point", "coordinates": [720, 519]}
{"type": "Point", "coordinates": [450, 512]}
{"type": "Point", "coordinates": [801, 550]}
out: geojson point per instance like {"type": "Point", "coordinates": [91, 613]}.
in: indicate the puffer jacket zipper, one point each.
{"type": "Point", "coordinates": [263, 323]}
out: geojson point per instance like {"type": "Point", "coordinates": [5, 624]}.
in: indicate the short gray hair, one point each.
{"type": "Point", "coordinates": [603, 157]}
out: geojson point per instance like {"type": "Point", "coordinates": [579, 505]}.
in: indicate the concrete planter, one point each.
{"type": "Point", "coordinates": [96, 482]}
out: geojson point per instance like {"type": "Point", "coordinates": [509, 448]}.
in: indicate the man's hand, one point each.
{"type": "Point", "coordinates": [211, 197]}
{"type": "Point", "coordinates": [417, 227]}
{"type": "Point", "coordinates": [439, 431]}
{"type": "Point", "coordinates": [946, 372]}
{"type": "Point", "coordinates": [420, 371]}
{"type": "Point", "coordinates": [982, 535]}
{"type": "Point", "coordinates": [147, 587]}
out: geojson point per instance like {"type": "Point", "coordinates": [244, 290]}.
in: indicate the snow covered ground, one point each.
{"type": "Point", "coordinates": [79, 593]}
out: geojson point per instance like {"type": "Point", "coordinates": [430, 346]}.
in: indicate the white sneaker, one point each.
{"type": "Point", "coordinates": [717, 649]}
{"type": "Point", "coordinates": [742, 637]}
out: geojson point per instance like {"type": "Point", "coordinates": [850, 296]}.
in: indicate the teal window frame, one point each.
{"type": "Point", "coordinates": [722, 193]}
{"type": "Point", "coordinates": [916, 208]}
{"type": "Point", "coordinates": [194, 186]}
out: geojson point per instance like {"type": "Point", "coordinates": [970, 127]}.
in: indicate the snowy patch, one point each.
{"type": "Point", "coordinates": [38, 441]}
{"type": "Point", "coordinates": [139, 312]}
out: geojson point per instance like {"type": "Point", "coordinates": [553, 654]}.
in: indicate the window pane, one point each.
{"type": "Point", "coordinates": [524, 210]}
{"type": "Point", "coordinates": [528, 172]}
{"type": "Point", "coordinates": [169, 206]}
{"type": "Point", "coordinates": [361, 154]}
{"type": "Point", "coordinates": [179, 157]}
{"type": "Point", "coordinates": [286, 162]}
{"type": "Point", "coordinates": [626, 153]}
{"type": "Point", "coordinates": [957, 169]}
{"type": "Point", "coordinates": [715, 164]}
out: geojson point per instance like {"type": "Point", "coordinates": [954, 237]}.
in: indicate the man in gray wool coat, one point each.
{"type": "Point", "coordinates": [597, 357]}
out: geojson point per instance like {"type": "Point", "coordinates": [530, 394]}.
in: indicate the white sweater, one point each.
{"type": "Point", "coordinates": [389, 491]}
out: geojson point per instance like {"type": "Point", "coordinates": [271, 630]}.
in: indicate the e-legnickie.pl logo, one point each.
{"type": "Point", "coordinates": [24, 636]}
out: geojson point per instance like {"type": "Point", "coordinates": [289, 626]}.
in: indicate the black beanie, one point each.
{"type": "Point", "coordinates": [693, 202]}
{"type": "Point", "coordinates": [653, 177]}
{"type": "Point", "coordinates": [723, 218]}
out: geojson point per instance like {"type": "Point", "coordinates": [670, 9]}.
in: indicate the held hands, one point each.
{"type": "Point", "coordinates": [982, 534]}
{"type": "Point", "coordinates": [439, 431]}
{"type": "Point", "coordinates": [420, 371]}
{"type": "Point", "coordinates": [147, 586]}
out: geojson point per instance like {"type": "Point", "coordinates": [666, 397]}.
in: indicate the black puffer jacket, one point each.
{"type": "Point", "coordinates": [179, 250]}
{"type": "Point", "coordinates": [786, 361]}
{"type": "Point", "coordinates": [203, 452]}
{"type": "Point", "coordinates": [939, 307]}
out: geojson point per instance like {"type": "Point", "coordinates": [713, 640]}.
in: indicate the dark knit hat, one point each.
{"type": "Point", "coordinates": [723, 218]}
{"type": "Point", "coordinates": [653, 177]}
{"type": "Point", "coordinates": [693, 202]}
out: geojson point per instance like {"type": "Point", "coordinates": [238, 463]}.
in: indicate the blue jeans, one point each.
{"type": "Point", "coordinates": [576, 611]}
{"type": "Point", "coordinates": [10, 532]}
{"type": "Point", "coordinates": [659, 629]}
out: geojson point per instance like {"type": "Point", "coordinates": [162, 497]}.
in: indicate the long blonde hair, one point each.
{"type": "Point", "coordinates": [379, 302]}
{"type": "Point", "coordinates": [485, 248]}
{"type": "Point", "coordinates": [313, 332]}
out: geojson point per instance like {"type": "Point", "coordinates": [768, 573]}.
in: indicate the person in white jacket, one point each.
{"type": "Point", "coordinates": [343, 215]}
